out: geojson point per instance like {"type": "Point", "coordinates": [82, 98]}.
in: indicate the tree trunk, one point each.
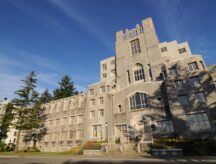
{"type": "Point", "coordinates": [35, 142]}
{"type": "Point", "coordinates": [17, 141]}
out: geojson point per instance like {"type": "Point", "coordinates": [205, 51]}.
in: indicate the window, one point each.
{"type": "Point", "coordinates": [200, 97]}
{"type": "Point", "coordinates": [165, 126]}
{"type": "Point", "coordinates": [179, 84]}
{"type": "Point", "coordinates": [101, 100]}
{"type": "Point", "coordinates": [69, 104]}
{"type": "Point", "coordinates": [198, 121]}
{"type": "Point", "coordinates": [57, 122]}
{"type": "Point", "coordinates": [91, 91]}
{"type": "Point", "coordinates": [135, 46]}
{"type": "Point", "coordinates": [62, 106]}
{"type": "Point", "coordinates": [64, 121]}
{"type": "Point", "coordinates": [50, 123]}
{"type": "Point", "coordinates": [194, 81]}
{"type": "Point", "coordinates": [193, 66]}
{"type": "Point", "coordinates": [163, 49]}
{"type": "Point", "coordinates": [97, 131]}
{"type": "Point", "coordinates": [101, 112]}
{"type": "Point", "coordinates": [108, 88]}
{"type": "Point", "coordinates": [72, 119]}
{"type": "Point", "coordinates": [150, 72]}
{"type": "Point", "coordinates": [182, 50]}
{"type": "Point", "coordinates": [183, 99]}
{"type": "Point", "coordinates": [80, 119]}
{"type": "Point", "coordinates": [15, 133]}
{"type": "Point", "coordinates": [102, 89]}
{"type": "Point", "coordinates": [72, 134]}
{"type": "Point", "coordinates": [104, 67]}
{"type": "Point", "coordinates": [139, 72]}
{"type": "Point", "coordinates": [92, 102]}
{"type": "Point", "coordinates": [92, 114]}
{"type": "Point", "coordinates": [113, 71]}
{"type": "Point", "coordinates": [173, 71]}
{"type": "Point", "coordinates": [120, 109]}
{"type": "Point", "coordinates": [104, 75]}
{"type": "Point", "coordinates": [121, 129]}
{"type": "Point", "coordinates": [138, 101]}
{"type": "Point", "coordinates": [79, 134]}
{"type": "Point", "coordinates": [202, 64]}
{"type": "Point", "coordinates": [128, 75]}
{"type": "Point", "coordinates": [164, 73]}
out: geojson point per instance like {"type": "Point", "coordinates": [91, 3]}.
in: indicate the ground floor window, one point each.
{"type": "Point", "coordinates": [198, 121]}
{"type": "Point", "coordinates": [97, 131]}
{"type": "Point", "coordinates": [138, 101]}
{"type": "Point", "coordinates": [79, 134]}
{"type": "Point", "coordinates": [121, 130]}
{"type": "Point", "coordinates": [165, 126]}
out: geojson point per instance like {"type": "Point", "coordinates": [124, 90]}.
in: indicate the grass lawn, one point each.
{"type": "Point", "coordinates": [75, 151]}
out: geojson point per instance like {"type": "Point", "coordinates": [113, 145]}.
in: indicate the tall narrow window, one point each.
{"type": "Point", "coordinates": [128, 75]}
{"type": "Point", "coordinates": [193, 66]}
{"type": "Point", "coordinates": [104, 67]}
{"type": "Point", "coordinates": [195, 81]}
{"type": "Point", "coordinates": [138, 101]}
{"type": "Point", "coordinates": [173, 71]}
{"type": "Point", "coordinates": [163, 49]}
{"type": "Point", "coordinates": [139, 72]}
{"type": "Point", "coordinates": [183, 99]}
{"type": "Point", "coordinates": [135, 46]}
{"type": "Point", "coordinates": [97, 131]}
{"type": "Point", "coordinates": [182, 50]}
{"type": "Point", "coordinates": [179, 84]}
{"type": "Point", "coordinates": [121, 129]}
{"type": "Point", "coordinates": [200, 97]}
{"type": "Point", "coordinates": [202, 64]}
{"type": "Point", "coordinates": [150, 72]}
{"type": "Point", "coordinates": [91, 91]}
{"type": "Point", "coordinates": [101, 100]}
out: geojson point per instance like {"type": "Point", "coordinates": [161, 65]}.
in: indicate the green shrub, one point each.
{"type": "Point", "coordinates": [2, 146]}
{"type": "Point", "coordinates": [189, 146]}
{"type": "Point", "coordinates": [117, 140]}
{"type": "Point", "coordinates": [32, 149]}
{"type": "Point", "coordinates": [92, 145]}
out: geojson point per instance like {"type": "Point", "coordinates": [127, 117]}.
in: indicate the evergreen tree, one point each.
{"type": "Point", "coordinates": [45, 96]}
{"type": "Point", "coordinates": [37, 129]}
{"type": "Point", "coordinates": [7, 121]}
{"type": "Point", "coordinates": [66, 88]}
{"type": "Point", "coordinates": [28, 115]}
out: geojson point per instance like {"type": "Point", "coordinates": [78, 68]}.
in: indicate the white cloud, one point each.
{"type": "Point", "coordinates": [82, 20]}
{"type": "Point", "coordinates": [9, 83]}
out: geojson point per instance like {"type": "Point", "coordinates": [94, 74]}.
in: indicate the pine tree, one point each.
{"type": "Point", "coordinates": [46, 96]}
{"type": "Point", "coordinates": [7, 121]}
{"type": "Point", "coordinates": [29, 115]}
{"type": "Point", "coordinates": [66, 88]}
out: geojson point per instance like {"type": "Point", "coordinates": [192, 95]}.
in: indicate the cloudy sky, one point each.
{"type": "Point", "coordinates": [59, 37]}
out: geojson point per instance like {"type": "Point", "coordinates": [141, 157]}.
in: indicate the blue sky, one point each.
{"type": "Point", "coordinates": [59, 37]}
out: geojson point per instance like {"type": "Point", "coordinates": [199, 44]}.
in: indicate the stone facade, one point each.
{"type": "Point", "coordinates": [3, 105]}
{"type": "Point", "coordinates": [146, 84]}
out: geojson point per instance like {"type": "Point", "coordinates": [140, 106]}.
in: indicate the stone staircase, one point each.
{"type": "Point", "coordinates": [125, 150]}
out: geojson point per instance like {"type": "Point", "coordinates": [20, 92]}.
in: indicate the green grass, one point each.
{"type": "Point", "coordinates": [74, 151]}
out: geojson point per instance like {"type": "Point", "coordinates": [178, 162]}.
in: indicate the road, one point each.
{"type": "Point", "coordinates": [103, 160]}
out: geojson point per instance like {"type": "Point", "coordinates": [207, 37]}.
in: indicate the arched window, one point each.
{"type": "Point", "coordinates": [139, 72]}
{"type": "Point", "coordinates": [138, 101]}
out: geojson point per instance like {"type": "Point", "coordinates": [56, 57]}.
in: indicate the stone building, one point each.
{"type": "Point", "coordinates": [147, 87]}
{"type": "Point", "coordinates": [3, 105]}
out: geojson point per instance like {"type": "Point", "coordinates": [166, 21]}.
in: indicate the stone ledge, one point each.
{"type": "Point", "coordinates": [92, 152]}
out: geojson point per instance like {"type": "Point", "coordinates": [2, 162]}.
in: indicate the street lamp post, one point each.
{"type": "Point", "coordinates": [106, 130]}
